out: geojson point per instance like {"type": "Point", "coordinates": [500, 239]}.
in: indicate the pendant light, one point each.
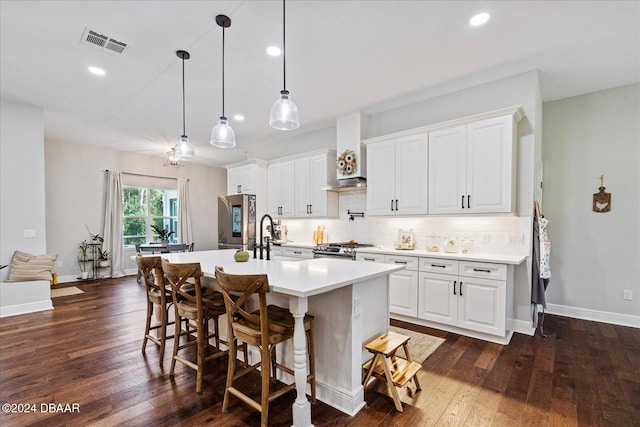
{"type": "Point", "coordinates": [184, 148]}
{"type": "Point", "coordinates": [173, 159]}
{"type": "Point", "coordinates": [284, 112]}
{"type": "Point", "coordinates": [222, 136]}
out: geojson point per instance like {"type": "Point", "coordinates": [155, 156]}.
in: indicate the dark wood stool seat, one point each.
{"type": "Point", "coordinates": [385, 365]}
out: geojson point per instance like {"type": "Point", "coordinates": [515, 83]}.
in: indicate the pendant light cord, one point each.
{"type": "Point", "coordinates": [223, 72]}
{"type": "Point", "coordinates": [284, 50]}
{"type": "Point", "coordinates": [184, 126]}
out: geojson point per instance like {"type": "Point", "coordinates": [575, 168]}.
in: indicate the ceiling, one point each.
{"type": "Point", "coordinates": [342, 56]}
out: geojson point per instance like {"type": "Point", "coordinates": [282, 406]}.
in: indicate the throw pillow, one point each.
{"type": "Point", "coordinates": [26, 267]}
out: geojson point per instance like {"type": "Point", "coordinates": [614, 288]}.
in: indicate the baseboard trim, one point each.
{"type": "Point", "coordinates": [14, 310]}
{"type": "Point", "coordinates": [523, 327]}
{"type": "Point", "coordinates": [594, 315]}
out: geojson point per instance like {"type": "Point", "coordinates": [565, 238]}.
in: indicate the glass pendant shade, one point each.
{"type": "Point", "coordinates": [284, 113]}
{"type": "Point", "coordinates": [184, 149]}
{"type": "Point", "coordinates": [222, 136]}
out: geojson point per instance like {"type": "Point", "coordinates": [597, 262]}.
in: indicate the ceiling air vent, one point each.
{"type": "Point", "coordinates": [102, 42]}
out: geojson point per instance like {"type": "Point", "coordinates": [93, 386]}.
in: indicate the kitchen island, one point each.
{"type": "Point", "coordinates": [350, 302]}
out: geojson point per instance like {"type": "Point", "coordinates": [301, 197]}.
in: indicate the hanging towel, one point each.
{"type": "Point", "coordinates": [541, 269]}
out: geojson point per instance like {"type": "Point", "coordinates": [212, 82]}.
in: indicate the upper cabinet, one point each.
{"type": "Point", "coordinates": [397, 178]}
{"type": "Point", "coordinates": [311, 174]}
{"type": "Point", "coordinates": [472, 167]}
{"type": "Point", "coordinates": [295, 186]}
{"type": "Point", "coordinates": [281, 195]}
{"type": "Point", "coordinates": [244, 178]}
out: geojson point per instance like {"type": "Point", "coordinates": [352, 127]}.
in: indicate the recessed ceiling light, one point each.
{"type": "Point", "coordinates": [479, 19]}
{"type": "Point", "coordinates": [97, 71]}
{"type": "Point", "coordinates": [274, 51]}
{"type": "Point", "coordinates": [238, 117]}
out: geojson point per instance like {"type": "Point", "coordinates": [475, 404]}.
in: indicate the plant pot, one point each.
{"type": "Point", "coordinates": [103, 263]}
{"type": "Point", "coordinates": [84, 275]}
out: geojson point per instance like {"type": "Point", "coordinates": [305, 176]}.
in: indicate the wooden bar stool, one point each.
{"type": "Point", "coordinates": [259, 329]}
{"type": "Point", "coordinates": [157, 294]}
{"type": "Point", "coordinates": [197, 306]}
{"type": "Point", "coordinates": [385, 365]}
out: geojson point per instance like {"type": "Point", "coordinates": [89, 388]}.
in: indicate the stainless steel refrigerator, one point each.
{"type": "Point", "coordinates": [237, 221]}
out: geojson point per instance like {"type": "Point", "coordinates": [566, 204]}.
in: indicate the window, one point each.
{"type": "Point", "coordinates": [143, 207]}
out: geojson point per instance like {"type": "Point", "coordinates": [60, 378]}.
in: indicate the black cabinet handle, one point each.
{"type": "Point", "coordinates": [468, 198]}
{"type": "Point", "coordinates": [369, 259]}
{"type": "Point", "coordinates": [483, 270]}
{"type": "Point", "coordinates": [454, 287]}
{"type": "Point", "coordinates": [462, 201]}
{"type": "Point", "coordinates": [396, 205]}
{"type": "Point", "coordinates": [239, 188]}
{"type": "Point", "coordinates": [297, 252]}
{"type": "Point", "coordinates": [438, 265]}
{"type": "Point", "coordinates": [310, 209]}
{"type": "Point", "coordinates": [391, 205]}
{"type": "Point", "coordinates": [400, 262]}
{"type": "Point", "coordinates": [460, 288]}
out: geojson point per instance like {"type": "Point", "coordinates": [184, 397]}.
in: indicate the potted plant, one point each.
{"type": "Point", "coordinates": [96, 238]}
{"type": "Point", "coordinates": [104, 258]}
{"type": "Point", "coordinates": [163, 233]}
{"type": "Point", "coordinates": [83, 249]}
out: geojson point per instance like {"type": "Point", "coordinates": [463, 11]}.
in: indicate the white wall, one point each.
{"type": "Point", "coordinates": [594, 256]}
{"type": "Point", "coordinates": [75, 189]}
{"type": "Point", "coordinates": [22, 191]}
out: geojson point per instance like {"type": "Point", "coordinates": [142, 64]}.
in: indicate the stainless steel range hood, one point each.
{"type": "Point", "coordinates": [348, 184]}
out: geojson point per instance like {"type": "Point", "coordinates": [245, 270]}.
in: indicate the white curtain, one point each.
{"type": "Point", "coordinates": [113, 222]}
{"type": "Point", "coordinates": [184, 216]}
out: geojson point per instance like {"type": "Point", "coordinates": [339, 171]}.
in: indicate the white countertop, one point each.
{"type": "Point", "coordinates": [302, 277]}
{"type": "Point", "coordinates": [514, 258]}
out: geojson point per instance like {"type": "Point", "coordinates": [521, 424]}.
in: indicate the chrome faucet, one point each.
{"type": "Point", "coordinates": [262, 245]}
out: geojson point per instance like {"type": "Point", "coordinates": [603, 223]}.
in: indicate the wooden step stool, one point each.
{"type": "Point", "coordinates": [386, 366]}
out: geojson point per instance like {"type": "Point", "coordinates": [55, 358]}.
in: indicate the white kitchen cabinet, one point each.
{"type": "Point", "coordinates": [472, 295]}
{"type": "Point", "coordinates": [397, 176]}
{"type": "Point", "coordinates": [281, 178]}
{"type": "Point", "coordinates": [403, 284]}
{"type": "Point", "coordinates": [311, 174]}
{"type": "Point", "coordinates": [472, 167]}
{"type": "Point", "coordinates": [246, 177]}
{"type": "Point", "coordinates": [297, 252]}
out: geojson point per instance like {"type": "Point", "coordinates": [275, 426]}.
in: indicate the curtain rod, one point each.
{"type": "Point", "coordinates": [148, 176]}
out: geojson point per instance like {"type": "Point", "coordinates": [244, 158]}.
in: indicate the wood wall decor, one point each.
{"type": "Point", "coordinates": [602, 200]}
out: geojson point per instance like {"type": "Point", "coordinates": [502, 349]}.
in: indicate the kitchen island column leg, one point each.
{"type": "Point", "coordinates": [301, 409]}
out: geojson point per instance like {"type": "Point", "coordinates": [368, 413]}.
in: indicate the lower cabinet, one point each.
{"type": "Point", "coordinates": [468, 295]}
{"type": "Point", "coordinates": [465, 295]}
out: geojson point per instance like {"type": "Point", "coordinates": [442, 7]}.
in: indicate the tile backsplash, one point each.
{"type": "Point", "coordinates": [490, 234]}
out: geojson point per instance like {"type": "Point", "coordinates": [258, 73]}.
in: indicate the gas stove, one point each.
{"type": "Point", "coordinates": [341, 249]}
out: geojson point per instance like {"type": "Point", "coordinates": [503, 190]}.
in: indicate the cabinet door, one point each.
{"type": "Point", "coordinates": [403, 288]}
{"type": "Point", "coordinates": [281, 189]}
{"type": "Point", "coordinates": [490, 164]}
{"type": "Point", "coordinates": [274, 179]}
{"type": "Point", "coordinates": [287, 189]}
{"type": "Point", "coordinates": [482, 305]}
{"type": "Point", "coordinates": [447, 170]}
{"type": "Point", "coordinates": [318, 198]}
{"type": "Point", "coordinates": [436, 299]}
{"type": "Point", "coordinates": [381, 178]}
{"type": "Point", "coordinates": [241, 179]}
{"type": "Point", "coordinates": [411, 175]}
{"type": "Point", "coordinates": [302, 185]}
{"type": "Point", "coordinates": [234, 181]}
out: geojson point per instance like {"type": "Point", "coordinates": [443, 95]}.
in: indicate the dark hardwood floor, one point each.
{"type": "Point", "coordinates": [87, 352]}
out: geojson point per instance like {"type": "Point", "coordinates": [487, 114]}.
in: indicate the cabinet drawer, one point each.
{"type": "Point", "coordinates": [438, 265]}
{"type": "Point", "coordinates": [483, 270]}
{"type": "Point", "coordinates": [370, 257]}
{"type": "Point", "coordinates": [410, 262]}
{"type": "Point", "coordinates": [297, 252]}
